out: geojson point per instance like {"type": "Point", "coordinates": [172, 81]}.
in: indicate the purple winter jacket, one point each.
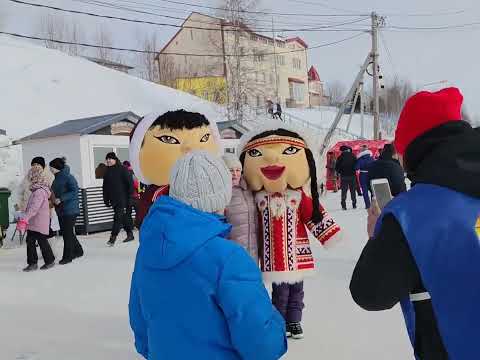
{"type": "Point", "coordinates": [37, 212]}
{"type": "Point", "coordinates": [242, 215]}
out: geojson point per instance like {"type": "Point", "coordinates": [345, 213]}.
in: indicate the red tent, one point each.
{"type": "Point", "coordinates": [375, 146]}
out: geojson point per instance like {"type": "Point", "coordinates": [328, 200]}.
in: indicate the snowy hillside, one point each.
{"type": "Point", "coordinates": [42, 87]}
{"type": "Point", "coordinates": [324, 117]}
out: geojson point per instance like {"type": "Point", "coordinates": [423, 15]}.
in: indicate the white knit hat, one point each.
{"type": "Point", "coordinates": [201, 180]}
{"type": "Point", "coordinates": [138, 134]}
{"type": "Point", "coordinates": [232, 161]}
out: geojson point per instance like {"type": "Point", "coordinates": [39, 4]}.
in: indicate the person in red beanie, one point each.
{"type": "Point", "coordinates": [424, 247]}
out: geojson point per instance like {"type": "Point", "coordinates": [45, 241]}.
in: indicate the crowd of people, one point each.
{"type": "Point", "coordinates": [214, 229]}
{"type": "Point", "coordinates": [357, 172]}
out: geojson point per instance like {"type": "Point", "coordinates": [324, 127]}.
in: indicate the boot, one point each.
{"type": "Point", "coordinates": [31, 267]}
{"type": "Point", "coordinates": [47, 266]}
{"type": "Point", "coordinates": [296, 330]}
{"type": "Point", "coordinates": [112, 240]}
{"type": "Point", "coordinates": [65, 261]}
{"type": "Point", "coordinates": [130, 237]}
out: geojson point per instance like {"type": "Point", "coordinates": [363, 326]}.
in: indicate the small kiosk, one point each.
{"type": "Point", "coordinates": [84, 143]}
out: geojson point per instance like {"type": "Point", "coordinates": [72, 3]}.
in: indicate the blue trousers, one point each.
{"type": "Point", "coordinates": [365, 189]}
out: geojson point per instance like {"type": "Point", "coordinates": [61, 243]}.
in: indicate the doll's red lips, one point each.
{"type": "Point", "coordinates": [273, 172]}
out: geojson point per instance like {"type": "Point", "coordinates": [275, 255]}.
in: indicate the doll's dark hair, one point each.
{"type": "Point", "coordinates": [316, 213]}
{"type": "Point", "coordinates": [177, 120]}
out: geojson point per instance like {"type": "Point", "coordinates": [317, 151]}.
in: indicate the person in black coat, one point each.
{"type": "Point", "coordinates": [345, 166]}
{"type": "Point", "coordinates": [117, 193]}
{"type": "Point", "coordinates": [387, 167]}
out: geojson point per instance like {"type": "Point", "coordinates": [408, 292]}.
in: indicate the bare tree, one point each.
{"type": "Point", "coordinates": [103, 38]}
{"type": "Point", "coordinates": [241, 70]}
{"type": "Point", "coordinates": [56, 28]}
{"type": "Point", "coordinates": [336, 91]}
{"type": "Point", "coordinates": [148, 67]}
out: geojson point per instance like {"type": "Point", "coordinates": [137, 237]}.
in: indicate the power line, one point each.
{"type": "Point", "coordinates": [144, 6]}
{"type": "Point", "coordinates": [325, 28]}
{"type": "Point", "coordinates": [321, 4]}
{"type": "Point", "coordinates": [266, 29]}
{"type": "Point", "coordinates": [258, 12]}
{"type": "Point", "coordinates": [389, 56]}
{"type": "Point", "coordinates": [174, 53]}
{"type": "Point", "coordinates": [442, 27]}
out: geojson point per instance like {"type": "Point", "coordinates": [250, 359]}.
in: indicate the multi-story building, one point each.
{"type": "Point", "coordinates": [216, 60]}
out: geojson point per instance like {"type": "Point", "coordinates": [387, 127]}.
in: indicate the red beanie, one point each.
{"type": "Point", "coordinates": [425, 111]}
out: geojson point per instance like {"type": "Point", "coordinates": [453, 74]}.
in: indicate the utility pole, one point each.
{"type": "Point", "coordinates": [275, 61]}
{"type": "Point", "coordinates": [374, 55]}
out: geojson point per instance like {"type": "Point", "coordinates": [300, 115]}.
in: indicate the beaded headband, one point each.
{"type": "Point", "coordinates": [275, 140]}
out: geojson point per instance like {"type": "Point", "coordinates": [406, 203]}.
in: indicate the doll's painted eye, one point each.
{"type": "Point", "coordinates": [205, 138]}
{"type": "Point", "coordinates": [254, 153]}
{"type": "Point", "coordinates": [291, 150]}
{"type": "Point", "coordinates": [168, 139]}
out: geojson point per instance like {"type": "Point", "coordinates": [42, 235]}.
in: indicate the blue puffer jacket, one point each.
{"type": "Point", "coordinates": [195, 295]}
{"type": "Point", "coordinates": [364, 159]}
{"type": "Point", "coordinates": [65, 188]}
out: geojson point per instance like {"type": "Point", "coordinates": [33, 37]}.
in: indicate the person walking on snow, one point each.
{"type": "Point", "coordinates": [36, 221]}
{"type": "Point", "coordinates": [345, 166]}
{"type": "Point", "coordinates": [424, 248]}
{"type": "Point", "coordinates": [241, 213]}
{"type": "Point", "coordinates": [117, 193]}
{"type": "Point", "coordinates": [65, 191]}
{"type": "Point", "coordinates": [364, 160]}
{"type": "Point", "coordinates": [195, 294]}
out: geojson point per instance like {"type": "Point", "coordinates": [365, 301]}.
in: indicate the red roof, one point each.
{"type": "Point", "coordinates": [298, 40]}
{"type": "Point", "coordinates": [313, 74]}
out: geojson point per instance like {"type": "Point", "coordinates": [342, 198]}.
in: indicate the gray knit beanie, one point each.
{"type": "Point", "coordinates": [201, 180]}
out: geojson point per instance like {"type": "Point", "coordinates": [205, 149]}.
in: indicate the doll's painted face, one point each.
{"type": "Point", "coordinates": [163, 147]}
{"type": "Point", "coordinates": [276, 162]}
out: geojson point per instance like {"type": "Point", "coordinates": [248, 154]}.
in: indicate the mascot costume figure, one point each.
{"type": "Point", "coordinates": [158, 141]}
{"type": "Point", "coordinates": [280, 169]}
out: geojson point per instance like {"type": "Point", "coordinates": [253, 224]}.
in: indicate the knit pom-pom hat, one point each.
{"type": "Point", "coordinates": [201, 180]}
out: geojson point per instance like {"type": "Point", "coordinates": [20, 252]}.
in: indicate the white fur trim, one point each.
{"type": "Point", "coordinates": [139, 135]}
{"type": "Point", "coordinates": [363, 153]}
{"type": "Point", "coordinates": [275, 125]}
{"type": "Point", "coordinates": [136, 144]}
{"type": "Point", "coordinates": [333, 241]}
{"type": "Point", "coordinates": [287, 277]}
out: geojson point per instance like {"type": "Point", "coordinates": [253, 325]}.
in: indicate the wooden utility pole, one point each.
{"type": "Point", "coordinates": [374, 55]}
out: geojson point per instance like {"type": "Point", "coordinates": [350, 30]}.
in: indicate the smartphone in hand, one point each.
{"type": "Point", "coordinates": [381, 192]}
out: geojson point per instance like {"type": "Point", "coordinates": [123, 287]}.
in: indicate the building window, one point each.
{"type": "Point", "coordinates": [123, 154]}
{"type": "Point", "coordinates": [230, 150]}
{"type": "Point", "coordinates": [297, 63]}
{"type": "Point", "coordinates": [258, 57]}
{"type": "Point", "coordinates": [280, 59]}
{"type": "Point", "coordinates": [253, 37]}
{"type": "Point", "coordinates": [297, 91]}
{"type": "Point", "coordinates": [191, 34]}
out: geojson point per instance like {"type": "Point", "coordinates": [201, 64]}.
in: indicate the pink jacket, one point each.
{"type": "Point", "coordinates": [37, 212]}
{"type": "Point", "coordinates": [243, 216]}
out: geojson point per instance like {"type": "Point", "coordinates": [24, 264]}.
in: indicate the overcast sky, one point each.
{"type": "Point", "coordinates": [423, 57]}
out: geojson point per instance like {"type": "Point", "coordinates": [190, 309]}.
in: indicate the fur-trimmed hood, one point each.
{"type": "Point", "coordinates": [364, 153]}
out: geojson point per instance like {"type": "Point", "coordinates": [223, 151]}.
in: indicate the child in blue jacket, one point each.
{"type": "Point", "coordinates": [194, 294]}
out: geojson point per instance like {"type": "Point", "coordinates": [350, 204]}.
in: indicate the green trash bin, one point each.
{"type": "Point", "coordinates": [4, 215]}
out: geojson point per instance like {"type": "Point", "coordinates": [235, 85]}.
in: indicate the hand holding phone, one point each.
{"type": "Point", "coordinates": [381, 192]}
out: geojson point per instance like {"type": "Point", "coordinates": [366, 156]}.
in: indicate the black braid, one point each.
{"type": "Point", "coordinates": [316, 213]}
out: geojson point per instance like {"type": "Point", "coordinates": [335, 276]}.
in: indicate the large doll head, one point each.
{"type": "Point", "coordinates": [159, 140]}
{"type": "Point", "coordinates": [277, 159]}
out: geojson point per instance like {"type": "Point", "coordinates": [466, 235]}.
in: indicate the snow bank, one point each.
{"type": "Point", "coordinates": [42, 87]}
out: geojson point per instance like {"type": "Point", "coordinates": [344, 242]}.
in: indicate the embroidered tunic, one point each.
{"type": "Point", "coordinates": [284, 220]}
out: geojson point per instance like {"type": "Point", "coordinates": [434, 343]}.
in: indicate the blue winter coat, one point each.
{"type": "Point", "coordinates": [196, 295]}
{"type": "Point", "coordinates": [364, 161]}
{"type": "Point", "coordinates": [65, 188]}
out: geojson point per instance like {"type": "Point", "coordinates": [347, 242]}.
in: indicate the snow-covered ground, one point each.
{"type": "Point", "coordinates": [79, 311]}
